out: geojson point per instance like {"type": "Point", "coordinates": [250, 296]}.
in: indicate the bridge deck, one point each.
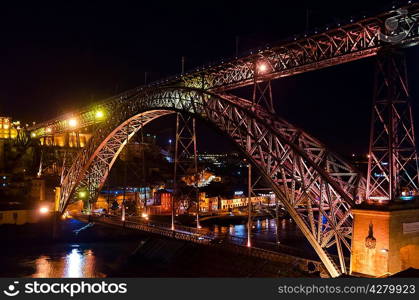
{"type": "Point", "coordinates": [209, 238]}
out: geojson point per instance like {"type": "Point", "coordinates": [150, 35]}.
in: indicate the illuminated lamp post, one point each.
{"type": "Point", "coordinates": [249, 205]}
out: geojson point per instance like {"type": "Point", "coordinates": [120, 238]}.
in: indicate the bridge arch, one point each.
{"type": "Point", "coordinates": [316, 186]}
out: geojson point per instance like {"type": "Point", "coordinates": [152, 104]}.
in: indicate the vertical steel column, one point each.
{"type": "Point", "coordinates": [175, 171]}
{"type": "Point", "coordinates": [196, 175]}
{"type": "Point", "coordinates": [77, 138]}
{"type": "Point", "coordinates": [392, 157]}
{"type": "Point", "coordinates": [109, 194]}
{"type": "Point", "coordinates": [262, 89]}
{"type": "Point", "coordinates": [89, 201]}
{"type": "Point", "coordinates": [63, 168]}
{"type": "Point", "coordinates": [144, 181]}
{"type": "Point", "coordinates": [186, 158]}
{"type": "Point", "coordinates": [125, 174]}
{"type": "Point", "coordinates": [249, 205]}
{"type": "Point", "coordinates": [262, 95]}
{"type": "Point", "coordinates": [277, 220]}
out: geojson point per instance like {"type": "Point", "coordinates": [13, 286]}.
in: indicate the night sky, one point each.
{"type": "Point", "coordinates": [63, 55]}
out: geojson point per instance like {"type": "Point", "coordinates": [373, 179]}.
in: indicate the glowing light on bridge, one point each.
{"type": "Point", "coordinates": [262, 68]}
{"type": "Point", "coordinates": [43, 210]}
{"type": "Point", "coordinates": [33, 134]}
{"type": "Point", "coordinates": [48, 130]}
{"type": "Point", "coordinates": [82, 194]}
{"type": "Point", "coordinates": [99, 114]}
{"type": "Point", "coordinates": [72, 122]}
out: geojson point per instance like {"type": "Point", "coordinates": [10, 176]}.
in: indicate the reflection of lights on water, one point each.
{"type": "Point", "coordinates": [240, 230]}
{"type": "Point", "coordinates": [231, 229]}
{"type": "Point", "coordinates": [43, 267]}
{"type": "Point", "coordinates": [258, 224]}
{"type": "Point", "coordinates": [74, 263]}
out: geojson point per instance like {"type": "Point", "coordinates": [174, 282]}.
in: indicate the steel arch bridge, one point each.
{"type": "Point", "coordinates": [316, 186]}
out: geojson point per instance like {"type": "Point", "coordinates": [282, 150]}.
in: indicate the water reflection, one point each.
{"type": "Point", "coordinates": [43, 267]}
{"type": "Point", "coordinates": [264, 230]}
{"type": "Point", "coordinates": [73, 265]}
{"type": "Point", "coordinates": [76, 263]}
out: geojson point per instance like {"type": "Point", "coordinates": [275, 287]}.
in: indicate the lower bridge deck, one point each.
{"type": "Point", "coordinates": [205, 237]}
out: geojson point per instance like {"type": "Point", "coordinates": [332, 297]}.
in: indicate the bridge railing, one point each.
{"type": "Point", "coordinates": [189, 233]}
{"type": "Point", "coordinates": [201, 236]}
{"type": "Point", "coordinates": [204, 236]}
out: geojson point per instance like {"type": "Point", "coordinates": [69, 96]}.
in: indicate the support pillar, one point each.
{"type": "Point", "coordinates": [385, 240]}
{"type": "Point", "coordinates": [249, 205]}
{"type": "Point", "coordinates": [385, 237]}
{"type": "Point", "coordinates": [186, 161]}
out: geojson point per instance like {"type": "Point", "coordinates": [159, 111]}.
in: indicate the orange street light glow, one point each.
{"type": "Point", "coordinates": [43, 210]}
{"type": "Point", "coordinates": [262, 68]}
{"type": "Point", "coordinates": [72, 122]}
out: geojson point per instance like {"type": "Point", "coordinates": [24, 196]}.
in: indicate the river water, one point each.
{"type": "Point", "coordinates": [111, 258]}
{"type": "Point", "coordinates": [85, 260]}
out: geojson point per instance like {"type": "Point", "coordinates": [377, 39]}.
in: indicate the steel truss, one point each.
{"type": "Point", "coordinates": [332, 46]}
{"type": "Point", "coordinates": [315, 186]}
{"type": "Point", "coordinates": [353, 41]}
{"type": "Point", "coordinates": [185, 160]}
{"type": "Point", "coordinates": [392, 164]}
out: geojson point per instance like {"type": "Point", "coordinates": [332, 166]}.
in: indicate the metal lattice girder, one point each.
{"type": "Point", "coordinates": [185, 146]}
{"type": "Point", "coordinates": [392, 163]}
{"type": "Point", "coordinates": [186, 159]}
{"type": "Point", "coordinates": [262, 95]}
{"type": "Point", "coordinates": [353, 41]}
{"type": "Point", "coordinates": [315, 186]}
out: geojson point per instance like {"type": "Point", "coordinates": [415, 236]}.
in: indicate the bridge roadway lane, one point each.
{"type": "Point", "coordinates": [202, 236]}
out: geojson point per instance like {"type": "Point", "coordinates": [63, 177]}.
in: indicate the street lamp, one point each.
{"type": "Point", "coordinates": [43, 210]}
{"type": "Point", "coordinates": [72, 122]}
{"type": "Point", "coordinates": [99, 114]}
{"type": "Point", "coordinates": [82, 194]}
{"type": "Point", "coordinates": [262, 67]}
